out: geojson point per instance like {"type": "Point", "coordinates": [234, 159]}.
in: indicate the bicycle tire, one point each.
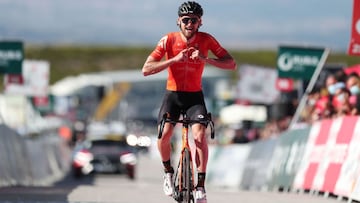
{"type": "Point", "coordinates": [187, 186]}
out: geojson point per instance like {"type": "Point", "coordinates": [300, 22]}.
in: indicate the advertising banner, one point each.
{"type": "Point", "coordinates": [250, 88]}
{"type": "Point", "coordinates": [313, 155]}
{"type": "Point", "coordinates": [298, 62]}
{"type": "Point", "coordinates": [35, 79]}
{"type": "Point", "coordinates": [285, 84]}
{"type": "Point", "coordinates": [257, 166]}
{"type": "Point", "coordinates": [13, 79]}
{"type": "Point", "coordinates": [354, 46]}
{"type": "Point", "coordinates": [226, 165]}
{"type": "Point", "coordinates": [42, 103]}
{"type": "Point", "coordinates": [36, 76]}
{"type": "Point", "coordinates": [11, 57]}
{"type": "Point", "coordinates": [325, 153]}
{"type": "Point", "coordinates": [350, 169]}
{"type": "Point", "coordinates": [287, 157]}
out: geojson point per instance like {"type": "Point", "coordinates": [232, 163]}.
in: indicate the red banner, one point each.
{"type": "Point", "coordinates": [354, 47]}
{"type": "Point", "coordinates": [41, 101]}
{"type": "Point", "coordinates": [14, 79]}
{"type": "Point", "coordinates": [285, 84]}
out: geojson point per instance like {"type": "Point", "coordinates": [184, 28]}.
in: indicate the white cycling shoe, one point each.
{"type": "Point", "coordinates": [200, 195]}
{"type": "Point", "coordinates": [168, 186]}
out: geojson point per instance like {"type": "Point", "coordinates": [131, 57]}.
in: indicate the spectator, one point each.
{"type": "Point", "coordinates": [341, 76]}
{"type": "Point", "coordinates": [353, 84]}
{"type": "Point", "coordinates": [312, 99]}
{"type": "Point", "coordinates": [240, 137]}
{"type": "Point", "coordinates": [342, 102]}
{"type": "Point", "coordinates": [270, 130]}
{"type": "Point", "coordinates": [333, 84]}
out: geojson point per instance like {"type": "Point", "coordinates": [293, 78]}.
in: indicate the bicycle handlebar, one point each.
{"type": "Point", "coordinates": [185, 121]}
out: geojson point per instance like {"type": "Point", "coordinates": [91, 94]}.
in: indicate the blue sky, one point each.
{"type": "Point", "coordinates": [239, 24]}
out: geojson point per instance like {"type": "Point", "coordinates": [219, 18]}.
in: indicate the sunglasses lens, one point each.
{"type": "Point", "coordinates": [186, 20]}
{"type": "Point", "coordinates": [194, 20]}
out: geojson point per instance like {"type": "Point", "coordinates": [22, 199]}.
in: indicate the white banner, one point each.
{"type": "Point", "coordinates": [226, 165]}
{"type": "Point", "coordinates": [13, 110]}
{"type": "Point", "coordinates": [36, 79]}
{"type": "Point", "coordinates": [237, 113]}
{"type": "Point", "coordinates": [257, 84]}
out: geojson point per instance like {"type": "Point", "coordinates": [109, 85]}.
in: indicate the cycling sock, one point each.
{"type": "Point", "coordinates": [168, 167]}
{"type": "Point", "coordinates": [201, 179]}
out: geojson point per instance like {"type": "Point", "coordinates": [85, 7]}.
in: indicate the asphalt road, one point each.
{"type": "Point", "coordinates": [146, 188]}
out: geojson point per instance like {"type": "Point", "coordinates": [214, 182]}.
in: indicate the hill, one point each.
{"type": "Point", "coordinates": [74, 60]}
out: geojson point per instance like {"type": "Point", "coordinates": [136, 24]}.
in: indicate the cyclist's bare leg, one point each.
{"type": "Point", "coordinates": [198, 132]}
{"type": "Point", "coordinates": [164, 143]}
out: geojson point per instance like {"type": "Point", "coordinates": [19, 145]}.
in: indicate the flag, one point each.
{"type": "Point", "coordinates": [354, 47]}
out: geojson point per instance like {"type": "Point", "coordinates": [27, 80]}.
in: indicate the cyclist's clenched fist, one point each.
{"type": "Point", "coordinates": [181, 56]}
{"type": "Point", "coordinates": [195, 54]}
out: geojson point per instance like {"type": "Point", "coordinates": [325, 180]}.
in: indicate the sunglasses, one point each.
{"type": "Point", "coordinates": [186, 20]}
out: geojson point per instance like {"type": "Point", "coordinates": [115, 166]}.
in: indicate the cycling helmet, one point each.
{"type": "Point", "coordinates": [190, 7]}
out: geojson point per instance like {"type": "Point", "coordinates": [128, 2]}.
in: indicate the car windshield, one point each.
{"type": "Point", "coordinates": [108, 146]}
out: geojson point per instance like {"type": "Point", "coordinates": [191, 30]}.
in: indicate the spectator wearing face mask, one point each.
{"type": "Point", "coordinates": [330, 82]}
{"type": "Point", "coordinates": [342, 104]}
{"type": "Point", "coordinates": [333, 84]}
{"type": "Point", "coordinates": [353, 85]}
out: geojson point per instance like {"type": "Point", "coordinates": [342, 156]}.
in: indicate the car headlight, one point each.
{"type": "Point", "coordinates": [132, 140]}
{"type": "Point", "coordinates": [144, 141]}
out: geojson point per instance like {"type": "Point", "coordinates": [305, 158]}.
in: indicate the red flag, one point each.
{"type": "Point", "coordinates": [353, 69]}
{"type": "Point", "coordinates": [354, 47]}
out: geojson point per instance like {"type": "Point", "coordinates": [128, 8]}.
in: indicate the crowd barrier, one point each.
{"type": "Point", "coordinates": [38, 161]}
{"type": "Point", "coordinates": [323, 157]}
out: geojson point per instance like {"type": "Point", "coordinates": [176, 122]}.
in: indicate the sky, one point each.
{"type": "Point", "coordinates": [237, 24]}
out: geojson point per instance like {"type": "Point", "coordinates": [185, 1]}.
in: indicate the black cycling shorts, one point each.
{"type": "Point", "coordinates": [190, 103]}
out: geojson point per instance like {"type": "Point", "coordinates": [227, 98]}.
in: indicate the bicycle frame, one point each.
{"type": "Point", "coordinates": [185, 158]}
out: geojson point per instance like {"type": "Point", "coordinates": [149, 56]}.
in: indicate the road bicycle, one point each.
{"type": "Point", "coordinates": [183, 178]}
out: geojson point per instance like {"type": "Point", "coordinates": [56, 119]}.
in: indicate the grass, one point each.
{"type": "Point", "coordinates": [74, 60]}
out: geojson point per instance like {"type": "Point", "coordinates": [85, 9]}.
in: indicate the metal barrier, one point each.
{"type": "Point", "coordinates": [38, 161]}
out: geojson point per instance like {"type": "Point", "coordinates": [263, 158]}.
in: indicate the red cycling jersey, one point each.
{"type": "Point", "coordinates": [186, 76]}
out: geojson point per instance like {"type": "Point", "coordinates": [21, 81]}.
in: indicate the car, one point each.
{"type": "Point", "coordinates": [113, 155]}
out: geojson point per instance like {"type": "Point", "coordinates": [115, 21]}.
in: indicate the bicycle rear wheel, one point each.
{"type": "Point", "coordinates": [186, 177]}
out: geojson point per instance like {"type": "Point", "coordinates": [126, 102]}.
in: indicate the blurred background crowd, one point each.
{"type": "Point", "coordinates": [339, 96]}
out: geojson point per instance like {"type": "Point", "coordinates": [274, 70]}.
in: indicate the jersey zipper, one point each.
{"type": "Point", "coordinates": [186, 66]}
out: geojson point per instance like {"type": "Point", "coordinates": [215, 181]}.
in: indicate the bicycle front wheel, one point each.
{"type": "Point", "coordinates": [187, 179]}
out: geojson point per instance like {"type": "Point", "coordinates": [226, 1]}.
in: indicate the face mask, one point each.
{"type": "Point", "coordinates": [331, 89]}
{"type": "Point", "coordinates": [354, 90]}
{"type": "Point", "coordinates": [341, 97]}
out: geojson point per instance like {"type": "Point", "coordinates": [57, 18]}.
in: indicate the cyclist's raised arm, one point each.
{"type": "Point", "coordinates": [153, 66]}
{"type": "Point", "coordinates": [225, 62]}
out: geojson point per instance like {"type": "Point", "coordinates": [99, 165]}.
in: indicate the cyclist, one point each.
{"type": "Point", "coordinates": [186, 54]}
